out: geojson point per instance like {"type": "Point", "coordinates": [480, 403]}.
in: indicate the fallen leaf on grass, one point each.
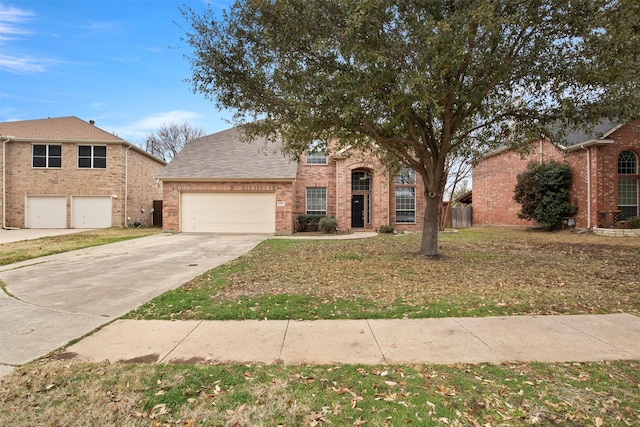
{"type": "Point", "coordinates": [158, 410]}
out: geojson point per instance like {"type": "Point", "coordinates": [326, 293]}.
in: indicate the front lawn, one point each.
{"type": "Point", "coordinates": [484, 272]}
{"type": "Point", "coordinates": [63, 393]}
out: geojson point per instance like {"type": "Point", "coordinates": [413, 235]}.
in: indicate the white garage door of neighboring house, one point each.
{"type": "Point", "coordinates": [91, 211]}
{"type": "Point", "coordinates": [228, 212]}
{"type": "Point", "coordinates": [46, 212]}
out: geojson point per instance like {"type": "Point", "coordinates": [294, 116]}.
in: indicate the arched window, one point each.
{"type": "Point", "coordinates": [628, 184]}
{"type": "Point", "coordinates": [360, 180]}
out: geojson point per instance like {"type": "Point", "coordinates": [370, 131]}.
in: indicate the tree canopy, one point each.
{"type": "Point", "coordinates": [416, 82]}
{"type": "Point", "coordinates": [543, 193]}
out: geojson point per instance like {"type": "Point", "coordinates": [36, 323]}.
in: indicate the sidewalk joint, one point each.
{"type": "Point", "coordinates": [375, 339]}
{"type": "Point", "coordinates": [474, 335]}
{"type": "Point", "coordinates": [284, 338]}
{"type": "Point", "coordinates": [181, 341]}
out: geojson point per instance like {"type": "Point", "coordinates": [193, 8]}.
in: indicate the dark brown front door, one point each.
{"type": "Point", "coordinates": [157, 213]}
{"type": "Point", "coordinates": [357, 211]}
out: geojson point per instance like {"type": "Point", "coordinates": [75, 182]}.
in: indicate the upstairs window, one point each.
{"type": "Point", "coordinates": [406, 176]}
{"type": "Point", "coordinates": [46, 156]}
{"type": "Point", "coordinates": [316, 154]}
{"type": "Point", "coordinates": [92, 156]}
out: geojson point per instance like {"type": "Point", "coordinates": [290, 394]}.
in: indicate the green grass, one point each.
{"type": "Point", "coordinates": [11, 253]}
{"type": "Point", "coordinates": [513, 394]}
{"type": "Point", "coordinates": [484, 272]}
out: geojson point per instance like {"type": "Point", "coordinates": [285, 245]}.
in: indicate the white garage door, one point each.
{"type": "Point", "coordinates": [46, 212]}
{"type": "Point", "coordinates": [91, 212]}
{"type": "Point", "coordinates": [228, 212]}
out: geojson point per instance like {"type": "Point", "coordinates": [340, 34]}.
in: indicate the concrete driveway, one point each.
{"type": "Point", "coordinates": [56, 299]}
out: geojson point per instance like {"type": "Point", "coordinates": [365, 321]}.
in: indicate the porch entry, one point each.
{"type": "Point", "coordinates": [360, 198]}
{"type": "Point", "coordinates": [357, 211]}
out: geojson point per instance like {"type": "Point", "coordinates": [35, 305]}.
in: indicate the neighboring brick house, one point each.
{"type": "Point", "coordinates": [67, 173]}
{"type": "Point", "coordinates": [605, 168]}
{"type": "Point", "coordinates": [219, 184]}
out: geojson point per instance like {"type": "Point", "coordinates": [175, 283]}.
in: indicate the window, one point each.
{"type": "Point", "coordinates": [405, 204]}
{"type": "Point", "coordinates": [92, 156]}
{"type": "Point", "coordinates": [46, 156]}
{"type": "Point", "coordinates": [628, 184]}
{"type": "Point", "coordinates": [360, 180]}
{"type": "Point", "coordinates": [316, 154]}
{"type": "Point", "coordinates": [405, 195]}
{"type": "Point", "coordinates": [316, 201]}
{"type": "Point", "coordinates": [406, 176]}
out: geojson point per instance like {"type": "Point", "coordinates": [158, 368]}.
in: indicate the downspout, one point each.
{"type": "Point", "coordinates": [588, 187]}
{"type": "Point", "coordinates": [4, 184]}
{"type": "Point", "coordinates": [126, 185]}
{"type": "Point", "coordinates": [338, 216]}
{"type": "Point", "coordinates": [541, 149]}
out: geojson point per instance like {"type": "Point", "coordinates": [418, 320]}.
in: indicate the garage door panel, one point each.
{"type": "Point", "coordinates": [91, 212]}
{"type": "Point", "coordinates": [228, 212]}
{"type": "Point", "coordinates": [46, 212]}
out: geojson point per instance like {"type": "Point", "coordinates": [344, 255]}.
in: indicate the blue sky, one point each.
{"type": "Point", "coordinates": [120, 63]}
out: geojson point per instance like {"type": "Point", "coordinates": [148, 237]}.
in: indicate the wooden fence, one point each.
{"type": "Point", "coordinates": [461, 217]}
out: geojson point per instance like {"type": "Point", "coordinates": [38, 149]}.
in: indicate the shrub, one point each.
{"type": "Point", "coordinates": [543, 192]}
{"type": "Point", "coordinates": [386, 229]}
{"type": "Point", "coordinates": [328, 224]}
{"type": "Point", "coordinates": [633, 222]}
{"type": "Point", "coordinates": [309, 222]}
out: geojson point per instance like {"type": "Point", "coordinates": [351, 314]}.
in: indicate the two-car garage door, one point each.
{"type": "Point", "coordinates": [51, 212]}
{"type": "Point", "coordinates": [228, 212]}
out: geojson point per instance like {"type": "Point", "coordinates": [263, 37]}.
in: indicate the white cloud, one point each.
{"type": "Point", "coordinates": [12, 22]}
{"type": "Point", "coordinates": [9, 17]}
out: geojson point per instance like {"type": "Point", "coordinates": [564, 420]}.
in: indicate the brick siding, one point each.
{"type": "Point", "coordinates": [495, 177]}
{"type": "Point", "coordinates": [173, 189]}
{"type": "Point", "coordinates": [23, 180]}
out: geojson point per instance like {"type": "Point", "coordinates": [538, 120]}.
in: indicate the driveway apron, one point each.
{"type": "Point", "coordinates": [59, 298]}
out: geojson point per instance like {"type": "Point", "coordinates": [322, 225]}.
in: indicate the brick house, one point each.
{"type": "Point", "coordinates": [219, 184]}
{"type": "Point", "coordinates": [604, 186]}
{"type": "Point", "coordinates": [67, 173]}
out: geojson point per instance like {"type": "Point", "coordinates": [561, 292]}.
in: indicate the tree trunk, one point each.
{"type": "Point", "coordinates": [430, 225]}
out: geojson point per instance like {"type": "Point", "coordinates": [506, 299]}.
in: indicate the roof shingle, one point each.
{"type": "Point", "coordinates": [223, 155]}
{"type": "Point", "coordinates": [61, 128]}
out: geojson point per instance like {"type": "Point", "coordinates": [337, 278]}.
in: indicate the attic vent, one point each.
{"type": "Point", "coordinates": [93, 122]}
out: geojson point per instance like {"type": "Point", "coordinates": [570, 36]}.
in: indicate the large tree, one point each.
{"type": "Point", "coordinates": [170, 138]}
{"type": "Point", "coordinates": [417, 81]}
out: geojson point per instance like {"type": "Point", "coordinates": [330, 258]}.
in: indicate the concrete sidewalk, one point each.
{"type": "Point", "coordinates": [579, 338]}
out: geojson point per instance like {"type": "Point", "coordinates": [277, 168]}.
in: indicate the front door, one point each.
{"type": "Point", "coordinates": [357, 211]}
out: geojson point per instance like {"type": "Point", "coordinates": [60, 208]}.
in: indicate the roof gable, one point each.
{"type": "Point", "coordinates": [223, 156]}
{"type": "Point", "coordinates": [62, 128]}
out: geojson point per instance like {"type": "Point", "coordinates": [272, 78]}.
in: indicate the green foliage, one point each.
{"type": "Point", "coordinates": [386, 229]}
{"type": "Point", "coordinates": [633, 222]}
{"type": "Point", "coordinates": [309, 222]}
{"type": "Point", "coordinates": [328, 224]}
{"type": "Point", "coordinates": [542, 190]}
{"type": "Point", "coordinates": [416, 82]}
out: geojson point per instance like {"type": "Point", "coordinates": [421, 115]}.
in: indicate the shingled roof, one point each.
{"type": "Point", "coordinates": [56, 129]}
{"type": "Point", "coordinates": [223, 156]}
